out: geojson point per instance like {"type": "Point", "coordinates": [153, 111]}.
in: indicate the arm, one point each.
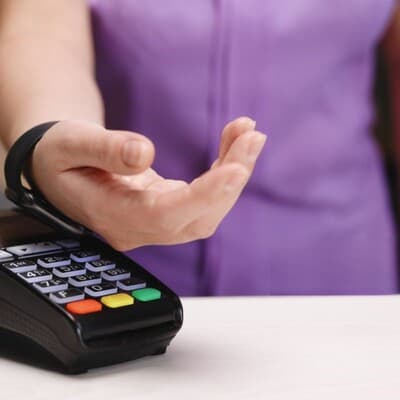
{"type": "Point", "coordinates": [46, 73]}
{"type": "Point", "coordinates": [47, 65]}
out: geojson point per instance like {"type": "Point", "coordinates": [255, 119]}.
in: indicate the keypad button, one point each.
{"type": "Point", "coordinates": [42, 247]}
{"type": "Point", "coordinates": [117, 300]}
{"type": "Point", "coordinates": [87, 306]}
{"type": "Point", "coordinates": [85, 256]}
{"type": "Point", "coordinates": [20, 266]}
{"type": "Point", "coordinates": [115, 274]}
{"type": "Point", "coordinates": [147, 294]}
{"type": "Point", "coordinates": [69, 270]}
{"type": "Point", "coordinates": [33, 248]}
{"type": "Point", "coordinates": [68, 243]}
{"type": "Point", "coordinates": [100, 265]}
{"type": "Point", "coordinates": [67, 296]}
{"type": "Point", "coordinates": [4, 256]}
{"type": "Point", "coordinates": [21, 250]}
{"type": "Point", "coordinates": [38, 275]}
{"type": "Point", "coordinates": [102, 289]}
{"type": "Point", "coordinates": [52, 285]}
{"type": "Point", "coordinates": [131, 284]}
{"type": "Point", "coordinates": [54, 261]}
{"type": "Point", "coordinates": [89, 278]}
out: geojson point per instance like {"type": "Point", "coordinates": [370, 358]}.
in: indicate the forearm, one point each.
{"type": "Point", "coordinates": [47, 67]}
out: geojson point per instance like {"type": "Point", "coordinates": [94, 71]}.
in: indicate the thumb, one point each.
{"type": "Point", "coordinates": [80, 144]}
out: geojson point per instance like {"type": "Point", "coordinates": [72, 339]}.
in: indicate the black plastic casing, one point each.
{"type": "Point", "coordinates": [81, 342]}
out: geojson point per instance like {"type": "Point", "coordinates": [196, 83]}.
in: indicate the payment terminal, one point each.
{"type": "Point", "coordinates": [68, 291]}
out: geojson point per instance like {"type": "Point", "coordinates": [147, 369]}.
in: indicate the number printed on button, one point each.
{"type": "Point", "coordinates": [89, 278]}
{"type": "Point", "coordinates": [54, 261]}
{"type": "Point", "coordinates": [35, 276]}
{"type": "Point", "coordinates": [100, 265]}
{"type": "Point", "coordinates": [69, 270]}
{"type": "Point", "coordinates": [85, 256]}
{"type": "Point", "coordinates": [115, 274]}
{"type": "Point", "coordinates": [52, 285]}
{"type": "Point", "coordinates": [20, 266]}
{"type": "Point", "coordinates": [102, 289]}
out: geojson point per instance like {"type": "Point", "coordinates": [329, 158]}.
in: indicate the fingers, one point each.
{"type": "Point", "coordinates": [149, 209]}
{"type": "Point", "coordinates": [232, 130]}
{"type": "Point", "coordinates": [245, 149]}
{"type": "Point", "coordinates": [179, 207]}
{"type": "Point", "coordinates": [76, 144]}
{"type": "Point", "coordinates": [166, 185]}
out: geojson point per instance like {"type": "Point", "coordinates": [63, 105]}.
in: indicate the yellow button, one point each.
{"type": "Point", "coordinates": [117, 300]}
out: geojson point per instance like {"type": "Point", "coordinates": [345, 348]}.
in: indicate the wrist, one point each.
{"type": "Point", "coordinates": [32, 201]}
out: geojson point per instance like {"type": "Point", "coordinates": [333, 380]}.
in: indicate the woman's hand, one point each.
{"type": "Point", "coordinates": [103, 180]}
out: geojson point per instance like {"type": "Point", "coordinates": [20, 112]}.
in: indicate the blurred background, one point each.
{"type": "Point", "coordinates": [387, 99]}
{"type": "Point", "coordinates": [338, 171]}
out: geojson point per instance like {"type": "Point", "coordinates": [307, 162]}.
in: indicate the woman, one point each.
{"type": "Point", "coordinates": [314, 218]}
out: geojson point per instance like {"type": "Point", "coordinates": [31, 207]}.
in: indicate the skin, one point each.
{"type": "Point", "coordinates": [47, 73]}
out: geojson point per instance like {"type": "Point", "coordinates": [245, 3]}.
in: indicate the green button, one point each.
{"type": "Point", "coordinates": [146, 294]}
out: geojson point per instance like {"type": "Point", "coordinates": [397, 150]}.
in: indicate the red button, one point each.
{"type": "Point", "coordinates": [84, 306]}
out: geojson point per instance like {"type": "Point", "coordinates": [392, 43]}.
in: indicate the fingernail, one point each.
{"type": "Point", "coordinates": [251, 123]}
{"type": "Point", "coordinates": [256, 147]}
{"type": "Point", "coordinates": [132, 152]}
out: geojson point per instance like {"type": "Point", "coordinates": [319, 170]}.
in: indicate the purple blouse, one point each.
{"type": "Point", "coordinates": [315, 217]}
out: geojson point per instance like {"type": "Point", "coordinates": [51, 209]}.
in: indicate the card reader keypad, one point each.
{"type": "Point", "coordinates": [79, 279]}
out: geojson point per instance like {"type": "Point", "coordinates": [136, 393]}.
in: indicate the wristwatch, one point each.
{"type": "Point", "coordinates": [32, 201]}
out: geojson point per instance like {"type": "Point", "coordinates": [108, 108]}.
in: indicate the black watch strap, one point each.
{"type": "Point", "coordinates": [31, 200]}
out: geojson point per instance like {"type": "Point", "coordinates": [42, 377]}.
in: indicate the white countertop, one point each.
{"type": "Point", "coordinates": [247, 348]}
